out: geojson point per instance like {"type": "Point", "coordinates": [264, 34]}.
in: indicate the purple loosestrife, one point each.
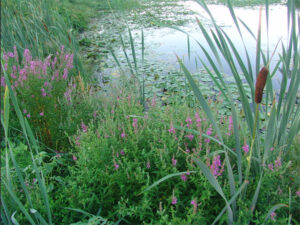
{"type": "Point", "coordinates": [83, 127]}
{"type": "Point", "coordinates": [246, 148]}
{"type": "Point", "coordinates": [174, 200]}
{"type": "Point", "coordinates": [135, 124]}
{"type": "Point", "coordinates": [270, 166]}
{"type": "Point", "coordinates": [189, 136]}
{"type": "Point", "coordinates": [298, 193]}
{"type": "Point", "coordinates": [195, 205]}
{"type": "Point", "coordinates": [216, 166]}
{"type": "Point", "coordinates": [189, 122]}
{"type": "Point", "coordinates": [116, 166]}
{"type": "Point", "coordinates": [230, 125]}
{"type": "Point", "coordinates": [172, 129]}
{"type": "Point", "coordinates": [273, 214]}
{"type": "Point", "coordinates": [148, 165]}
{"type": "Point", "coordinates": [278, 162]}
{"type": "Point", "coordinates": [3, 82]}
{"type": "Point", "coordinates": [174, 161]}
{"type": "Point", "coordinates": [183, 177]}
{"type": "Point", "coordinates": [123, 134]}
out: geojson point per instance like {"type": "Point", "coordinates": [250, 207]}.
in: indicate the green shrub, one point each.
{"type": "Point", "coordinates": [48, 97]}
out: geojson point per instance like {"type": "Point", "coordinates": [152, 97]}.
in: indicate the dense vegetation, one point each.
{"type": "Point", "coordinates": [73, 152]}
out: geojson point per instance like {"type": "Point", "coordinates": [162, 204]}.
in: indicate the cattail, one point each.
{"type": "Point", "coordinates": [45, 26]}
{"type": "Point", "coordinates": [260, 84]}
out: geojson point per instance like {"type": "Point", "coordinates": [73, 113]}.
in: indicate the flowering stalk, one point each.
{"type": "Point", "coordinates": [259, 87]}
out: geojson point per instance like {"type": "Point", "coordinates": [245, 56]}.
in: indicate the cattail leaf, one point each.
{"type": "Point", "coordinates": [166, 178]}
{"type": "Point", "coordinates": [133, 50]}
{"type": "Point", "coordinates": [270, 134]}
{"type": "Point", "coordinates": [6, 111]}
{"type": "Point", "coordinates": [273, 209]}
{"type": "Point", "coordinates": [6, 215]}
{"type": "Point", "coordinates": [18, 202]}
{"type": "Point", "coordinates": [213, 181]}
{"type": "Point", "coordinates": [209, 41]}
{"type": "Point", "coordinates": [258, 43]}
{"type": "Point", "coordinates": [231, 200]}
{"type": "Point", "coordinates": [256, 194]}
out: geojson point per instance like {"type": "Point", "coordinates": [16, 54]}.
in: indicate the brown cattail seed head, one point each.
{"type": "Point", "coordinates": [260, 84]}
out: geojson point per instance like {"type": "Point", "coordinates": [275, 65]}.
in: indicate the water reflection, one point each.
{"type": "Point", "coordinates": [164, 43]}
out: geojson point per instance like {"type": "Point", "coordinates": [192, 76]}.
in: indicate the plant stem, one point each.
{"type": "Point", "coordinates": [252, 142]}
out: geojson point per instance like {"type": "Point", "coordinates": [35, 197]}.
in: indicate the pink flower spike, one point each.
{"type": "Point", "coordinates": [190, 137]}
{"type": "Point", "coordinates": [278, 162]}
{"type": "Point", "coordinates": [298, 193]}
{"type": "Point", "coordinates": [41, 113]}
{"type": "Point", "coordinates": [74, 158]}
{"type": "Point", "coordinates": [194, 203]}
{"type": "Point", "coordinates": [123, 135]}
{"type": "Point", "coordinates": [174, 161]}
{"type": "Point", "coordinates": [209, 131]}
{"type": "Point", "coordinates": [83, 127]}
{"type": "Point", "coordinates": [28, 115]}
{"type": "Point", "coordinates": [183, 177]}
{"type": "Point", "coordinates": [122, 152]}
{"type": "Point", "coordinates": [24, 111]}
{"type": "Point", "coordinates": [116, 166]}
{"type": "Point", "coordinates": [270, 166]}
{"type": "Point", "coordinates": [246, 148]}
{"type": "Point", "coordinates": [174, 200]}
{"type": "Point", "coordinates": [148, 165]}
{"type": "Point", "coordinates": [172, 129]}
{"type": "Point", "coordinates": [273, 214]}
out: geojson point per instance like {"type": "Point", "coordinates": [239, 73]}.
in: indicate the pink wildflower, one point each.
{"type": "Point", "coordinates": [190, 137]}
{"type": "Point", "coordinates": [172, 129]}
{"type": "Point", "coordinates": [198, 120]}
{"type": "Point", "coordinates": [209, 131]}
{"type": "Point", "coordinates": [123, 135]}
{"type": "Point", "coordinates": [216, 166]}
{"type": "Point", "coordinates": [28, 115]}
{"type": "Point", "coordinates": [183, 177]}
{"type": "Point", "coordinates": [24, 111]}
{"type": "Point", "coordinates": [2, 81]}
{"type": "Point", "coordinates": [148, 165]}
{"type": "Point", "coordinates": [116, 166]}
{"type": "Point", "coordinates": [122, 152]}
{"type": "Point", "coordinates": [77, 141]}
{"type": "Point", "coordinates": [174, 161]}
{"type": "Point", "coordinates": [189, 121]}
{"type": "Point", "coordinates": [134, 123]}
{"type": "Point", "coordinates": [41, 113]}
{"type": "Point", "coordinates": [74, 158]}
{"type": "Point", "coordinates": [65, 75]}
{"type": "Point", "coordinates": [273, 214]}
{"type": "Point", "coordinates": [246, 148]}
{"type": "Point", "coordinates": [83, 127]}
{"type": "Point", "coordinates": [174, 200]}
{"type": "Point", "coordinates": [278, 162]}
{"type": "Point", "coordinates": [270, 166]}
{"type": "Point", "coordinates": [298, 193]}
{"type": "Point", "coordinates": [194, 203]}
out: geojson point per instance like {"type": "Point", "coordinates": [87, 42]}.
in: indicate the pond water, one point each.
{"type": "Point", "coordinates": [163, 43]}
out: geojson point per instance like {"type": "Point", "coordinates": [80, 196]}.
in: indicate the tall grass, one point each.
{"type": "Point", "coordinates": [281, 115]}
{"type": "Point", "coordinates": [38, 26]}
{"type": "Point", "coordinates": [8, 214]}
